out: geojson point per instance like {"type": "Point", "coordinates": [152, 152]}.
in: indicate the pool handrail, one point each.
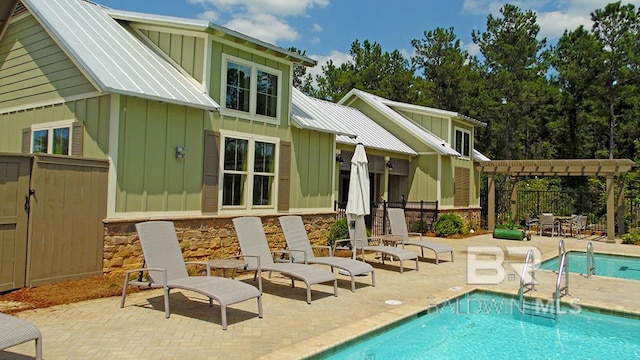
{"type": "Point", "coordinates": [563, 272]}
{"type": "Point", "coordinates": [591, 261]}
{"type": "Point", "coordinates": [527, 286]}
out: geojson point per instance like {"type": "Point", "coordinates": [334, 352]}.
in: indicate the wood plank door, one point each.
{"type": "Point", "coordinates": [14, 190]}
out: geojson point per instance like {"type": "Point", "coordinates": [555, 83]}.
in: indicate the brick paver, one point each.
{"type": "Point", "coordinates": [291, 329]}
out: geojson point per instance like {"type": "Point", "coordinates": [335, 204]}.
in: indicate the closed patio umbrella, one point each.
{"type": "Point", "coordinates": [358, 202]}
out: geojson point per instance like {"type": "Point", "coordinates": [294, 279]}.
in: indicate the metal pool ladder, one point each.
{"type": "Point", "coordinates": [591, 261]}
{"type": "Point", "coordinates": [563, 273]}
{"type": "Point", "coordinates": [526, 286]}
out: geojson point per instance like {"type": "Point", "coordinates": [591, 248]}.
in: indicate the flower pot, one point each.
{"type": "Point", "coordinates": [510, 234]}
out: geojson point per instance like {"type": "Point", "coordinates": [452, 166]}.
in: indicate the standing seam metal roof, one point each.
{"type": "Point", "coordinates": [114, 59]}
{"type": "Point", "coordinates": [426, 136]}
{"type": "Point", "coordinates": [346, 122]}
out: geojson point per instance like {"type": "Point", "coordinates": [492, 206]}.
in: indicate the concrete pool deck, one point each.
{"type": "Point", "coordinates": [292, 329]}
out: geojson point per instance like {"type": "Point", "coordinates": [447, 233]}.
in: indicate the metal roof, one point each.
{"type": "Point", "coordinates": [203, 25]}
{"type": "Point", "coordinates": [112, 57]}
{"type": "Point", "coordinates": [346, 122]}
{"type": "Point", "coordinates": [478, 156]}
{"type": "Point", "coordinates": [431, 111]}
{"type": "Point", "coordinates": [570, 167]}
{"type": "Point", "coordinates": [422, 134]}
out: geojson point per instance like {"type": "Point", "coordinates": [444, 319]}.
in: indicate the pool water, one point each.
{"type": "Point", "coordinates": [489, 326]}
{"type": "Point", "coordinates": [618, 266]}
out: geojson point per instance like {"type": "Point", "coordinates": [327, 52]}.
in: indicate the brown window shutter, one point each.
{"type": "Point", "coordinates": [210, 183]}
{"type": "Point", "coordinates": [78, 138]}
{"type": "Point", "coordinates": [26, 140]}
{"type": "Point", "coordinates": [461, 198]}
{"type": "Point", "coordinates": [284, 183]}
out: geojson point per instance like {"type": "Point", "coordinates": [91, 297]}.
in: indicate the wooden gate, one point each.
{"type": "Point", "coordinates": [58, 230]}
{"type": "Point", "coordinates": [14, 186]}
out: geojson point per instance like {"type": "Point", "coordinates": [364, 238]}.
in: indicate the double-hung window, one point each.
{"type": "Point", "coordinates": [52, 138]}
{"type": "Point", "coordinates": [248, 172]}
{"type": "Point", "coordinates": [251, 89]}
{"type": "Point", "coordinates": [462, 143]}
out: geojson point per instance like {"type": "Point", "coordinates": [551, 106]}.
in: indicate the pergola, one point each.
{"type": "Point", "coordinates": [608, 168]}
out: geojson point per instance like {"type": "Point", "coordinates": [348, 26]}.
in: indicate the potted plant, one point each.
{"type": "Point", "coordinates": [510, 231]}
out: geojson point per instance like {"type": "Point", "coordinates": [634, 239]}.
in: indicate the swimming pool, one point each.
{"type": "Point", "coordinates": [484, 325]}
{"type": "Point", "coordinates": [618, 266]}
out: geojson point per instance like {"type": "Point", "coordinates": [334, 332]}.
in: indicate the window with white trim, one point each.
{"type": "Point", "coordinates": [462, 142]}
{"type": "Point", "coordinates": [252, 89]}
{"type": "Point", "coordinates": [52, 138]}
{"type": "Point", "coordinates": [248, 172]}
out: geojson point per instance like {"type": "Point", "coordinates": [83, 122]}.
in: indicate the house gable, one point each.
{"type": "Point", "coordinates": [34, 68]}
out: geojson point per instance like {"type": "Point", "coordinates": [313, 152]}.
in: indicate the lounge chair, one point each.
{"type": "Point", "coordinates": [253, 242]}
{"type": "Point", "coordinates": [360, 242]}
{"type": "Point", "coordinates": [399, 229]}
{"type": "Point", "coordinates": [15, 331]}
{"type": "Point", "coordinates": [302, 251]}
{"type": "Point", "coordinates": [166, 268]}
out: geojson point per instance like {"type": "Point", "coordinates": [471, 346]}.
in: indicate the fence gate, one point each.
{"type": "Point", "coordinates": [58, 204]}
{"type": "Point", "coordinates": [14, 186]}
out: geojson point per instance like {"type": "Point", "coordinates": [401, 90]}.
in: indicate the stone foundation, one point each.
{"type": "Point", "coordinates": [200, 238]}
{"type": "Point", "coordinates": [471, 216]}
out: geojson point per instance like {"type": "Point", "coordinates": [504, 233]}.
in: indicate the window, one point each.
{"type": "Point", "coordinates": [249, 163]}
{"type": "Point", "coordinates": [462, 142]}
{"type": "Point", "coordinates": [251, 89]}
{"type": "Point", "coordinates": [52, 138]}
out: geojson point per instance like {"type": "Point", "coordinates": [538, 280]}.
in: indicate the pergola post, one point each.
{"type": "Point", "coordinates": [620, 205]}
{"type": "Point", "coordinates": [611, 232]}
{"type": "Point", "coordinates": [491, 211]}
{"type": "Point", "coordinates": [514, 200]}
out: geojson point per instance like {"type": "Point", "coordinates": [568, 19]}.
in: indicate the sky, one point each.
{"type": "Point", "coordinates": [325, 29]}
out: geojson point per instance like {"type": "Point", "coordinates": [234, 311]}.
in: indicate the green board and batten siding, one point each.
{"type": "Point", "coordinates": [150, 177]}
{"type": "Point", "coordinates": [186, 51]}
{"type": "Point", "coordinates": [34, 68]}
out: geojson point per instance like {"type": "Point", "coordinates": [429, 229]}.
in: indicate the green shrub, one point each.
{"type": "Point", "coordinates": [632, 237]}
{"type": "Point", "coordinates": [339, 231]}
{"type": "Point", "coordinates": [449, 224]}
{"type": "Point", "coordinates": [419, 226]}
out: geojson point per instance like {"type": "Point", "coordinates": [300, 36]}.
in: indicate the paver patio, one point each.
{"type": "Point", "coordinates": [292, 329]}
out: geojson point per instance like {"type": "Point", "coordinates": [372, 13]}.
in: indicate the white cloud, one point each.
{"type": "Point", "coordinates": [208, 15]}
{"type": "Point", "coordinates": [336, 56]}
{"type": "Point", "coordinates": [472, 48]}
{"type": "Point", "coordinates": [264, 27]}
{"type": "Point", "coordinates": [262, 19]}
{"type": "Point", "coordinates": [554, 17]}
{"type": "Point", "coordinates": [281, 8]}
{"type": "Point", "coordinates": [315, 40]}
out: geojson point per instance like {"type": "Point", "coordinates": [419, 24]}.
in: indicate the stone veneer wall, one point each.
{"type": "Point", "coordinates": [200, 238]}
{"type": "Point", "coordinates": [471, 216]}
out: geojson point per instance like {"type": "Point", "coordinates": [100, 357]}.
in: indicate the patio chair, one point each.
{"type": "Point", "coordinates": [578, 225]}
{"type": "Point", "coordinates": [253, 242]}
{"type": "Point", "coordinates": [399, 229]}
{"type": "Point", "coordinates": [359, 241]}
{"type": "Point", "coordinates": [15, 331]}
{"type": "Point", "coordinates": [166, 268]}
{"type": "Point", "coordinates": [302, 251]}
{"type": "Point", "coordinates": [529, 223]}
{"type": "Point", "coordinates": [548, 221]}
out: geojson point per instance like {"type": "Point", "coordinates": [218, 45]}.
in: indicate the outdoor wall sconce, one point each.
{"type": "Point", "coordinates": [389, 164]}
{"type": "Point", "coordinates": [339, 158]}
{"type": "Point", "coordinates": [179, 152]}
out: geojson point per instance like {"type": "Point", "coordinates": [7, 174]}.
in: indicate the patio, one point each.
{"type": "Point", "coordinates": [291, 329]}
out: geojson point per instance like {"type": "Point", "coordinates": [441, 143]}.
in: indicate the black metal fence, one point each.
{"type": "Point", "coordinates": [567, 202]}
{"type": "Point", "coordinates": [420, 215]}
